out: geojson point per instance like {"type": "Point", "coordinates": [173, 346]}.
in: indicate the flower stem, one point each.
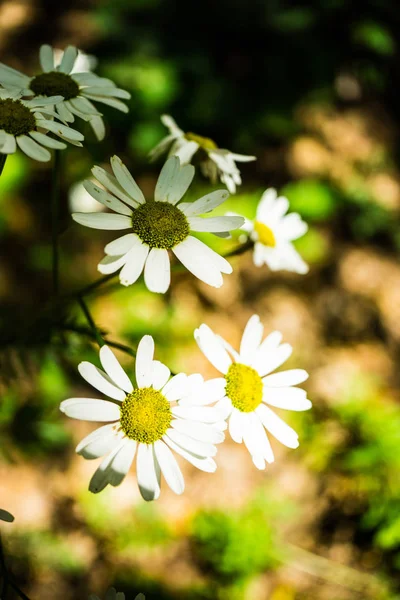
{"type": "Point", "coordinates": [3, 158]}
{"type": "Point", "coordinates": [91, 322]}
{"type": "Point", "coordinates": [239, 249]}
{"type": "Point", "coordinates": [55, 218]}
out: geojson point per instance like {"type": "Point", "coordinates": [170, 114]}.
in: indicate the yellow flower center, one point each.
{"type": "Point", "coordinates": [145, 415]}
{"type": "Point", "coordinates": [243, 387]}
{"type": "Point", "coordinates": [15, 117]}
{"type": "Point", "coordinates": [203, 142]}
{"type": "Point", "coordinates": [265, 234]}
{"type": "Point", "coordinates": [160, 224]}
{"type": "Point", "coordinates": [55, 83]}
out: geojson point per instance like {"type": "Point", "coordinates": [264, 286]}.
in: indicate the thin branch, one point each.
{"type": "Point", "coordinates": [90, 320]}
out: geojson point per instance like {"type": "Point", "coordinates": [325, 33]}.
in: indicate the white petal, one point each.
{"type": "Point", "coordinates": [106, 199]}
{"type": "Point", "coordinates": [9, 144]}
{"type": "Point", "coordinates": [204, 414]}
{"type": "Point", "coordinates": [126, 180]}
{"type": "Point", "coordinates": [265, 363]}
{"type": "Point", "coordinates": [293, 227]}
{"type": "Point", "coordinates": [269, 345]}
{"type": "Point", "coordinates": [68, 60]}
{"type": "Point", "coordinates": [200, 449]}
{"type": "Point", "coordinates": [184, 150]}
{"type": "Point", "coordinates": [90, 409]}
{"type": "Point", "coordinates": [287, 398]}
{"type": "Point", "coordinates": [198, 431]}
{"type": "Point", "coordinates": [134, 264]}
{"type": "Point", "coordinates": [160, 375]}
{"type": "Point", "coordinates": [33, 149]}
{"type": "Point", "coordinates": [204, 204]}
{"type": "Point", "coordinates": [170, 123]}
{"type": "Point", "coordinates": [114, 370]}
{"type": "Point", "coordinates": [203, 262]}
{"type": "Point", "coordinates": [286, 378]}
{"type": "Point", "coordinates": [105, 100]}
{"type": "Point", "coordinates": [100, 442]}
{"type": "Point", "coordinates": [114, 467]}
{"type": "Point", "coordinates": [157, 271]}
{"type": "Point", "coordinates": [122, 245]}
{"type": "Point", "coordinates": [13, 78]}
{"type": "Point", "coordinates": [65, 113]}
{"type": "Point", "coordinates": [61, 130]}
{"type": "Point", "coordinates": [224, 408]}
{"type": "Point", "coordinates": [212, 348]}
{"type": "Point", "coordinates": [169, 467]}
{"type": "Point", "coordinates": [144, 361]}
{"type": "Point", "coordinates": [112, 92]}
{"type": "Point", "coordinates": [242, 157]}
{"type": "Point", "coordinates": [204, 464]}
{"type": "Point", "coordinates": [100, 381]}
{"type": "Point", "coordinates": [215, 224]}
{"type": "Point", "coordinates": [236, 426]}
{"type": "Point", "coordinates": [98, 127]}
{"type": "Point", "coordinates": [277, 427]}
{"type": "Point", "coordinates": [46, 57]}
{"type": "Point", "coordinates": [104, 221]}
{"type": "Point", "coordinates": [251, 339]}
{"type": "Point", "coordinates": [47, 141]}
{"type": "Point", "coordinates": [176, 388]}
{"type": "Point", "coordinates": [111, 184]}
{"type": "Point", "coordinates": [111, 264]}
{"type": "Point", "coordinates": [148, 472]}
{"type": "Point", "coordinates": [201, 393]}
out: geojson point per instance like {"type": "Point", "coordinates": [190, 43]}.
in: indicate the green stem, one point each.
{"type": "Point", "coordinates": [239, 249]}
{"type": "Point", "coordinates": [55, 218]}
{"type": "Point", "coordinates": [91, 322]}
{"type": "Point", "coordinates": [93, 286]}
{"type": "Point", "coordinates": [90, 333]}
{"type": "Point", "coordinates": [3, 158]}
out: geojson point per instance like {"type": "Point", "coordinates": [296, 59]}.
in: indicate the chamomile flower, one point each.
{"type": "Point", "coordinates": [159, 415]}
{"type": "Point", "coordinates": [250, 388]}
{"type": "Point", "coordinates": [112, 594]}
{"type": "Point", "coordinates": [157, 226]}
{"type": "Point", "coordinates": [24, 124]}
{"type": "Point", "coordinates": [273, 232]}
{"type": "Point", "coordinates": [78, 90]}
{"type": "Point", "coordinates": [216, 162]}
{"type": "Point", "coordinates": [6, 516]}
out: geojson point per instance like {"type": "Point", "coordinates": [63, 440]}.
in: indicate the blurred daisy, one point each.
{"type": "Point", "coordinates": [216, 162]}
{"type": "Point", "coordinates": [112, 594]}
{"type": "Point", "coordinates": [23, 124]}
{"type": "Point", "coordinates": [157, 226]}
{"type": "Point", "coordinates": [147, 420]}
{"type": "Point", "coordinates": [273, 232]}
{"type": "Point", "coordinates": [250, 388]}
{"type": "Point", "coordinates": [6, 516]}
{"type": "Point", "coordinates": [77, 89]}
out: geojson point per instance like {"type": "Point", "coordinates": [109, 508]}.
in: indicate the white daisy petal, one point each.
{"type": "Point", "coordinates": [166, 179]}
{"type": "Point", "coordinates": [169, 467]}
{"type": "Point", "coordinates": [200, 449]}
{"type": "Point", "coordinates": [215, 224]}
{"type": "Point", "coordinates": [114, 370]}
{"type": "Point", "coordinates": [99, 380]}
{"type": "Point", "coordinates": [144, 361]}
{"type": "Point", "coordinates": [204, 204]}
{"type": "Point", "coordinates": [286, 378]}
{"type": "Point", "coordinates": [251, 339]}
{"type": "Point", "coordinates": [203, 464]}
{"type": "Point", "coordinates": [198, 431]}
{"type": "Point", "coordinates": [46, 57]}
{"type": "Point", "coordinates": [287, 398]}
{"type": "Point", "coordinates": [111, 264]}
{"type": "Point", "coordinates": [106, 100]}
{"type": "Point", "coordinates": [180, 184]}
{"type": "Point", "coordinates": [47, 141]}
{"type": "Point", "coordinates": [68, 59]}
{"type": "Point", "coordinates": [176, 388]}
{"type": "Point", "coordinates": [236, 426]}
{"type": "Point", "coordinates": [100, 442]}
{"type": "Point", "coordinates": [13, 78]}
{"type": "Point", "coordinates": [212, 348]}
{"type": "Point", "coordinates": [204, 414]}
{"type": "Point", "coordinates": [148, 473]}
{"type": "Point", "coordinates": [126, 180]}
{"type": "Point", "coordinates": [203, 262]}
{"type": "Point", "coordinates": [97, 124]}
{"type": "Point", "coordinates": [264, 364]}
{"type": "Point", "coordinates": [62, 130]}
{"type": "Point", "coordinates": [105, 221]}
{"type": "Point", "coordinates": [90, 409]}
{"type": "Point", "coordinates": [224, 408]}
{"type": "Point", "coordinates": [160, 375]}
{"type": "Point", "coordinates": [157, 271]}
{"type": "Point", "coordinates": [122, 245]}
{"type": "Point", "coordinates": [106, 199]}
{"type": "Point", "coordinates": [184, 151]}
{"type": "Point", "coordinates": [112, 185]}
{"type": "Point", "coordinates": [9, 145]}
{"type": "Point", "coordinates": [33, 149]}
{"type": "Point", "coordinates": [277, 427]}
{"type": "Point", "coordinates": [114, 467]}
{"type": "Point", "coordinates": [134, 264]}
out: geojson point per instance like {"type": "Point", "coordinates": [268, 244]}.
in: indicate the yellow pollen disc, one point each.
{"type": "Point", "coordinates": [203, 142]}
{"type": "Point", "coordinates": [244, 387]}
{"type": "Point", "coordinates": [265, 234]}
{"type": "Point", "coordinates": [145, 415]}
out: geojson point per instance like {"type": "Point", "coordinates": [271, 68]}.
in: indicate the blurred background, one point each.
{"type": "Point", "coordinates": [310, 88]}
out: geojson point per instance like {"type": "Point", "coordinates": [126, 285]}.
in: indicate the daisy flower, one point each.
{"type": "Point", "coordinates": [23, 124]}
{"type": "Point", "coordinates": [77, 89]}
{"type": "Point", "coordinates": [159, 415]}
{"type": "Point", "coordinates": [250, 388]}
{"type": "Point", "coordinates": [6, 516]}
{"type": "Point", "coordinates": [112, 594]}
{"type": "Point", "coordinates": [215, 162]}
{"type": "Point", "coordinates": [273, 232]}
{"type": "Point", "coordinates": [157, 226]}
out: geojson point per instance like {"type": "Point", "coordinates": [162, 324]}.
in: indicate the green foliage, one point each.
{"type": "Point", "coordinates": [375, 36]}
{"type": "Point", "coordinates": [313, 199]}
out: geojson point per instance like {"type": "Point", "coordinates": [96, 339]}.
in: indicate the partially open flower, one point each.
{"type": "Point", "coordinates": [77, 90]}
{"type": "Point", "coordinates": [25, 124]}
{"type": "Point", "coordinates": [157, 226]}
{"type": "Point", "coordinates": [218, 162]}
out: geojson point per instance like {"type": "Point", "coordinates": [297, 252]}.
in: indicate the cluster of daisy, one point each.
{"type": "Point", "coordinates": [153, 416]}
